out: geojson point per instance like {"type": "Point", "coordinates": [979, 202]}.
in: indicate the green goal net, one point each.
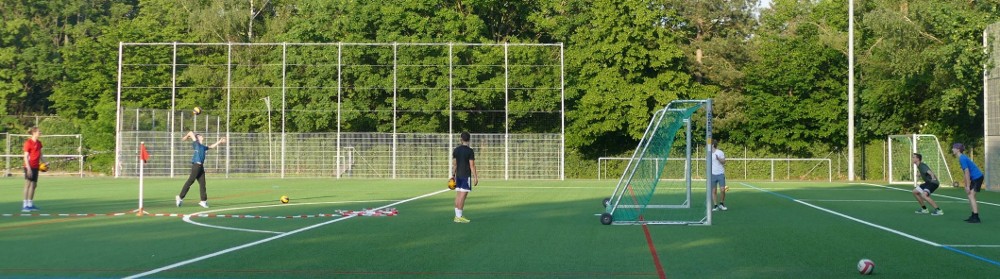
{"type": "Point", "coordinates": [656, 186]}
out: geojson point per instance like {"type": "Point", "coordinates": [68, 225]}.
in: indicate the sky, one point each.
{"type": "Point", "coordinates": [765, 3]}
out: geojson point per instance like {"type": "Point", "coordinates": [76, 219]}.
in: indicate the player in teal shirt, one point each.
{"type": "Point", "coordinates": [972, 177]}
{"type": "Point", "coordinates": [197, 167]}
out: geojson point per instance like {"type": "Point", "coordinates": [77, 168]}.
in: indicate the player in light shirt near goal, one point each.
{"type": "Point", "coordinates": [718, 181]}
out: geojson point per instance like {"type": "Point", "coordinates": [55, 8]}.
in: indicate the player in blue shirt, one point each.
{"type": "Point", "coordinates": [197, 167]}
{"type": "Point", "coordinates": [973, 178]}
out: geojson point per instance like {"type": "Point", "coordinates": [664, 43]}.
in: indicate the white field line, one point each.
{"type": "Point", "coordinates": [269, 239]}
{"type": "Point", "coordinates": [933, 195]}
{"type": "Point", "coordinates": [187, 218]}
{"type": "Point", "coordinates": [928, 242]}
{"type": "Point", "coordinates": [890, 201]}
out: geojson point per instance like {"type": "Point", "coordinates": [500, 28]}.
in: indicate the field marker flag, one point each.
{"type": "Point", "coordinates": [143, 154]}
{"type": "Point", "coordinates": [144, 157]}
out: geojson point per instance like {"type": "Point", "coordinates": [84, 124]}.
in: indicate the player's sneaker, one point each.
{"type": "Point", "coordinates": [715, 208]}
{"type": "Point", "coordinates": [921, 211]}
{"type": "Point", "coordinates": [723, 207]}
{"type": "Point", "coordinates": [33, 208]}
{"type": "Point", "coordinates": [25, 209]}
{"type": "Point", "coordinates": [203, 204]}
{"type": "Point", "coordinates": [178, 200]}
{"type": "Point", "coordinates": [461, 220]}
{"type": "Point", "coordinates": [938, 212]}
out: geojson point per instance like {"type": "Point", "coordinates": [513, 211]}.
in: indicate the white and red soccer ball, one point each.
{"type": "Point", "coordinates": [866, 266]}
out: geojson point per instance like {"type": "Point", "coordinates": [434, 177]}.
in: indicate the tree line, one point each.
{"type": "Point", "coordinates": [778, 74]}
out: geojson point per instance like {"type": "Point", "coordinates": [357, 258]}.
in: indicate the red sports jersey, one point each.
{"type": "Point", "coordinates": [34, 149]}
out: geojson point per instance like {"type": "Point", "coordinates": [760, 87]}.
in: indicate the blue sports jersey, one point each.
{"type": "Point", "coordinates": [967, 164]}
{"type": "Point", "coordinates": [199, 152]}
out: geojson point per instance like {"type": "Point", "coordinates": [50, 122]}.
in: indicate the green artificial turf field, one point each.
{"type": "Point", "coordinates": [539, 229]}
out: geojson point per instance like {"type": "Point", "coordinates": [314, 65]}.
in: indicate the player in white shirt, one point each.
{"type": "Point", "coordinates": [718, 177]}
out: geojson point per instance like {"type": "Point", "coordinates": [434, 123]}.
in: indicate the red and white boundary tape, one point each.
{"type": "Point", "coordinates": [369, 212]}
{"type": "Point", "coordinates": [61, 215]}
{"type": "Point", "coordinates": [339, 213]}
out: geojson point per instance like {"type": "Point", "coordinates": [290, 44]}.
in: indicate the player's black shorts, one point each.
{"type": "Point", "coordinates": [929, 188]}
{"type": "Point", "coordinates": [34, 175]}
{"type": "Point", "coordinates": [977, 184]}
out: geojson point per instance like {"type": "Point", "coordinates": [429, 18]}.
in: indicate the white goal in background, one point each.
{"type": "Point", "coordinates": [901, 168]}
{"type": "Point", "coordinates": [63, 154]}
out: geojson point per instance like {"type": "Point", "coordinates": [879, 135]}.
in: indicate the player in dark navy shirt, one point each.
{"type": "Point", "coordinates": [465, 175]}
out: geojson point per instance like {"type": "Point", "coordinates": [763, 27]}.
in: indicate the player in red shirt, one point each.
{"type": "Point", "coordinates": [32, 160]}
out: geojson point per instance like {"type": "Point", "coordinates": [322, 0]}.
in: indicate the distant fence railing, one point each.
{"type": "Point", "coordinates": [751, 168]}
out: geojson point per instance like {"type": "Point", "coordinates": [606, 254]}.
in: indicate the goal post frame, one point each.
{"type": "Point", "coordinates": [614, 202]}
{"type": "Point", "coordinates": [61, 156]}
{"type": "Point", "coordinates": [914, 140]}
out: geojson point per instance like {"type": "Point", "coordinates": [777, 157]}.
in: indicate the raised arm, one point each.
{"type": "Point", "coordinates": [190, 134]}
{"type": "Point", "coordinates": [221, 141]}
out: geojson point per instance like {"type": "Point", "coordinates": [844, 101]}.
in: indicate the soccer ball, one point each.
{"type": "Point", "coordinates": [451, 184]}
{"type": "Point", "coordinates": [43, 167]}
{"type": "Point", "coordinates": [197, 110]}
{"type": "Point", "coordinates": [866, 266]}
{"type": "Point", "coordinates": [283, 199]}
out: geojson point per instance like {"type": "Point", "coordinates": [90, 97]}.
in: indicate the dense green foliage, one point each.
{"type": "Point", "coordinates": [778, 74]}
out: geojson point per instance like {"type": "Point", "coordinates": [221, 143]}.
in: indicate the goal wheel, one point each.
{"type": "Point", "coordinates": [606, 202]}
{"type": "Point", "coordinates": [606, 218]}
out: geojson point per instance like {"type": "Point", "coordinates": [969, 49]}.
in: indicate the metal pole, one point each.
{"type": "Point", "coordinates": [340, 49]}
{"type": "Point", "coordinates": [270, 141]}
{"type": "Point", "coordinates": [772, 170]}
{"type": "Point", "coordinates": [913, 168]}
{"type": "Point", "coordinates": [687, 161]}
{"type": "Point", "coordinates": [888, 158]}
{"type": "Point", "coordinates": [79, 152]}
{"type": "Point", "coordinates": [451, 105]}
{"type": "Point", "coordinates": [850, 91]}
{"type": "Point", "coordinates": [506, 113]}
{"type": "Point", "coordinates": [986, 112]}
{"type": "Point", "coordinates": [173, 107]}
{"type": "Point", "coordinates": [7, 166]}
{"type": "Point", "coordinates": [708, 161]}
{"type": "Point", "coordinates": [229, 99]}
{"type": "Point", "coordinates": [394, 87]}
{"type": "Point", "coordinates": [284, 87]}
{"type": "Point", "coordinates": [118, 115]}
{"type": "Point", "coordinates": [562, 112]}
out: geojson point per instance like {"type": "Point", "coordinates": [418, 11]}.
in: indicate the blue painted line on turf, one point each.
{"type": "Point", "coordinates": [971, 255]}
{"type": "Point", "coordinates": [974, 256]}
